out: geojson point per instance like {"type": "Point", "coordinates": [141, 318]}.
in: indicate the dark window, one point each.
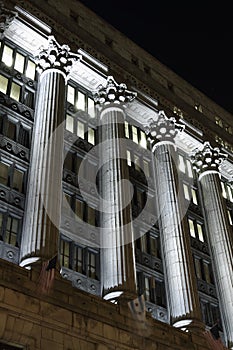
{"type": "Point", "coordinates": [10, 227]}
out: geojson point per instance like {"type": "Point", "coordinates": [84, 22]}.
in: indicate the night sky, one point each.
{"type": "Point", "coordinates": [192, 40]}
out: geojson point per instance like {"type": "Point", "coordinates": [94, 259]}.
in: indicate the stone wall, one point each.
{"type": "Point", "coordinates": [70, 319]}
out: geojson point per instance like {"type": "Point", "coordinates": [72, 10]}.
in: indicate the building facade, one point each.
{"type": "Point", "coordinates": [122, 172]}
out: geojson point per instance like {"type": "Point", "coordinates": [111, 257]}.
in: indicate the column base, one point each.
{"type": "Point", "coordinates": [190, 325]}
{"type": "Point", "coordinates": [113, 297]}
{"type": "Point", "coordinates": [26, 263]}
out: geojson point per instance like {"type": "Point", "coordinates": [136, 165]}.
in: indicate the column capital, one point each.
{"type": "Point", "coordinates": [207, 160]}
{"type": "Point", "coordinates": [56, 57]}
{"type": "Point", "coordinates": [163, 130]}
{"type": "Point", "coordinates": [113, 95]}
{"type": "Point", "coordinates": [6, 17]}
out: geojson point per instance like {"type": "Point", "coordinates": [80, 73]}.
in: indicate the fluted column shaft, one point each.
{"type": "Point", "coordinates": [219, 232]}
{"type": "Point", "coordinates": [179, 274]}
{"type": "Point", "coordinates": [43, 207]}
{"type": "Point", "coordinates": [40, 237]}
{"type": "Point", "coordinates": [118, 273]}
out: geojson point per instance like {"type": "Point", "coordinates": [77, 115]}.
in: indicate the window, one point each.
{"type": "Point", "coordinates": [152, 288]}
{"type": "Point", "coordinates": [229, 214]}
{"type": "Point", "coordinates": [80, 100]}
{"type": "Point", "coordinates": [150, 244]}
{"type": "Point", "coordinates": [126, 129]}
{"type": "Point", "coordinates": [210, 313]}
{"type": "Point", "coordinates": [185, 166]}
{"type": "Point", "coordinates": [10, 227]}
{"type": "Point", "coordinates": [14, 130]}
{"type": "Point", "coordinates": [196, 229]}
{"type": "Point", "coordinates": [134, 134]}
{"type": "Point", "coordinates": [203, 270]}
{"type": "Point", "coordinates": [20, 62]}
{"type": "Point", "coordinates": [15, 91]}
{"type": "Point", "coordinates": [79, 258]}
{"type": "Point", "coordinates": [11, 176]}
{"type": "Point", "coordinates": [3, 84]}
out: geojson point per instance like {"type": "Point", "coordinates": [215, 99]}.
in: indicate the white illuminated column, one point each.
{"type": "Point", "coordinates": [182, 295]}
{"type": "Point", "coordinates": [43, 206]}
{"type": "Point", "coordinates": [117, 254]}
{"type": "Point", "coordinates": [206, 162]}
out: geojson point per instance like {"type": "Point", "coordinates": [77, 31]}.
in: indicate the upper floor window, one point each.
{"type": "Point", "coordinates": [203, 270]}
{"type": "Point", "coordinates": [190, 193]}
{"type": "Point", "coordinates": [185, 166]}
{"type": "Point", "coordinates": [80, 100]}
{"type": "Point", "coordinates": [196, 229]}
{"type": "Point", "coordinates": [15, 130]}
{"type": "Point", "coordinates": [11, 57]}
{"type": "Point", "coordinates": [81, 129]}
{"type": "Point", "coordinates": [79, 258]}
{"type": "Point", "coordinates": [10, 227]}
{"type": "Point", "coordinates": [227, 191]}
{"type": "Point", "coordinates": [12, 176]}
{"type": "Point", "coordinates": [136, 134]}
{"type": "Point", "coordinates": [150, 244]}
{"type": "Point", "coordinates": [152, 288]}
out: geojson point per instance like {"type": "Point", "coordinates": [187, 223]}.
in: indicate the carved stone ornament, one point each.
{"type": "Point", "coordinates": [163, 129]}
{"type": "Point", "coordinates": [207, 159]}
{"type": "Point", "coordinates": [113, 94]}
{"type": "Point", "coordinates": [6, 17]}
{"type": "Point", "coordinates": [56, 56]}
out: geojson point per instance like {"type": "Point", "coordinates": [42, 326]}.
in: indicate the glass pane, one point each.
{"type": "Point", "coordinates": [18, 180]}
{"type": "Point", "coordinates": [135, 134]}
{"type": "Point", "coordinates": [137, 162]}
{"type": "Point", "coordinates": [79, 259]}
{"type": "Point", "coordinates": [126, 129]}
{"type": "Point", "coordinates": [181, 163]}
{"type": "Point", "coordinates": [223, 190]}
{"type": "Point", "coordinates": [146, 168]}
{"type": "Point", "coordinates": [198, 268]}
{"type": "Point", "coordinates": [15, 91]}
{"type": "Point", "coordinates": [194, 196]}
{"type": "Point", "coordinates": [128, 158]}
{"type": "Point", "coordinates": [200, 232]}
{"type": "Point", "coordinates": [91, 216]}
{"type": "Point", "coordinates": [91, 265]}
{"type": "Point", "coordinates": [91, 107]}
{"type": "Point", "coordinates": [147, 289]}
{"type": "Point", "coordinates": [191, 228]}
{"type": "Point", "coordinates": [68, 162]}
{"type": "Point", "coordinates": [91, 136]}
{"type": "Point", "coordinates": [4, 170]}
{"type": "Point", "coordinates": [31, 70]}
{"type": "Point", "coordinates": [3, 84]}
{"type": "Point", "coordinates": [144, 243]}
{"type": "Point", "coordinates": [69, 123]}
{"type": "Point", "coordinates": [70, 94]}
{"type": "Point", "coordinates": [143, 139]}
{"type": "Point", "coordinates": [28, 98]}
{"type": "Point", "coordinates": [229, 217]}
{"type": "Point", "coordinates": [11, 130]}
{"type": "Point", "coordinates": [190, 169]}
{"type": "Point", "coordinates": [207, 272]}
{"type": "Point", "coordinates": [80, 130]}
{"type": "Point", "coordinates": [81, 101]}
{"type": "Point", "coordinates": [153, 246]}
{"type": "Point", "coordinates": [186, 192]}
{"type": "Point", "coordinates": [79, 208]}
{"type": "Point", "coordinates": [19, 62]}
{"type": "Point", "coordinates": [230, 196]}
{"type": "Point", "coordinates": [7, 56]}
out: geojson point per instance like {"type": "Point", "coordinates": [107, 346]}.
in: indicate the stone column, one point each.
{"type": "Point", "coordinates": [206, 162]}
{"type": "Point", "coordinates": [43, 206]}
{"type": "Point", "coordinates": [117, 254]}
{"type": "Point", "coordinates": [182, 295]}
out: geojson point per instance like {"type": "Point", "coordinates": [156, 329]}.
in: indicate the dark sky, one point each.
{"type": "Point", "coordinates": [192, 39]}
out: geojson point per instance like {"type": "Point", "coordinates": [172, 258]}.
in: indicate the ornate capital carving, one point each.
{"type": "Point", "coordinates": [208, 159]}
{"type": "Point", "coordinates": [6, 17]}
{"type": "Point", "coordinates": [113, 94]}
{"type": "Point", "coordinates": [56, 56]}
{"type": "Point", "coordinates": [163, 130]}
